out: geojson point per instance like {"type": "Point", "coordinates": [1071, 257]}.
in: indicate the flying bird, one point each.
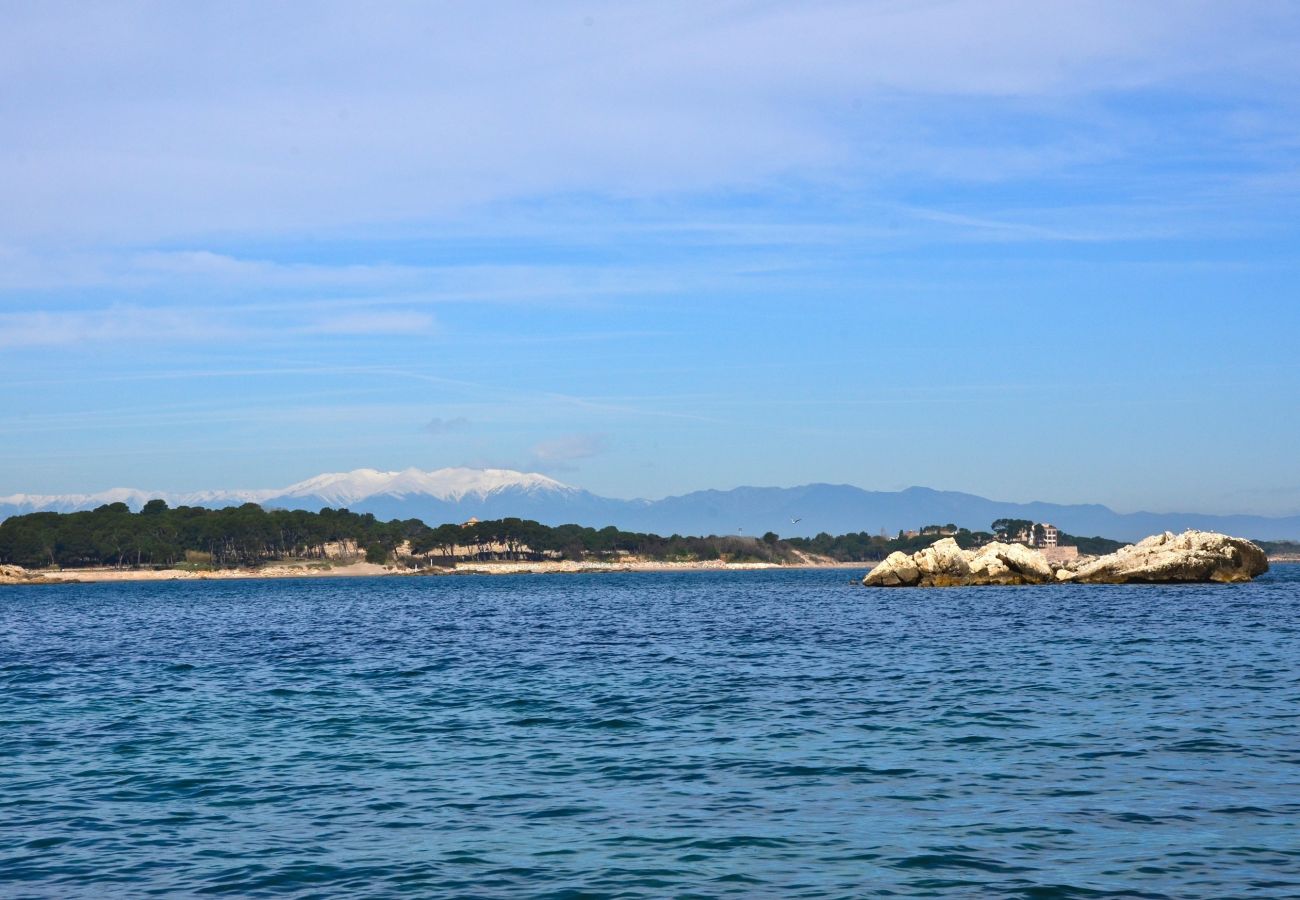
{"type": "Point", "coordinates": [796, 521]}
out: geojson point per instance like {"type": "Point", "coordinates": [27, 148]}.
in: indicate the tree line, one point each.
{"type": "Point", "coordinates": [247, 535]}
{"type": "Point", "coordinates": [865, 547]}
{"type": "Point", "coordinates": [159, 536]}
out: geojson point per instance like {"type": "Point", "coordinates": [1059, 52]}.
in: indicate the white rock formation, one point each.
{"type": "Point", "coordinates": [944, 563]}
{"type": "Point", "coordinates": [897, 570]}
{"type": "Point", "coordinates": [1194, 556]}
{"type": "Point", "coordinates": [1011, 564]}
{"type": "Point", "coordinates": [1168, 557]}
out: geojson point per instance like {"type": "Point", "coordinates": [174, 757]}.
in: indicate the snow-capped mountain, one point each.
{"type": "Point", "coordinates": [454, 485]}
{"type": "Point", "coordinates": [456, 494]}
{"type": "Point", "coordinates": [335, 489]}
{"type": "Point", "coordinates": [17, 504]}
{"type": "Point", "coordinates": [442, 495]}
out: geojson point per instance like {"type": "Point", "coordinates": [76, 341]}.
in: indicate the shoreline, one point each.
{"type": "Point", "coordinates": [16, 575]}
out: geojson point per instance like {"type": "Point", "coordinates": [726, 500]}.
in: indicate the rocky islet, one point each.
{"type": "Point", "coordinates": [1193, 556]}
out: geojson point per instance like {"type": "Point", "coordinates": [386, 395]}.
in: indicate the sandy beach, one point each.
{"type": "Point", "coordinates": [18, 575]}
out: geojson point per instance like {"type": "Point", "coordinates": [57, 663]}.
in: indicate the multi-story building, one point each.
{"type": "Point", "coordinates": [1051, 536]}
{"type": "Point", "coordinates": [1040, 535]}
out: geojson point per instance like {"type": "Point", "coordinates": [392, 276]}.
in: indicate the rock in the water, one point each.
{"type": "Point", "coordinates": [944, 564]}
{"type": "Point", "coordinates": [1191, 556]}
{"type": "Point", "coordinates": [897, 570]}
{"type": "Point", "coordinates": [18, 575]}
{"type": "Point", "coordinates": [1011, 564]}
{"type": "Point", "coordinates": [1187, 557]}
{"type": "Point", "coordinates": [941, 561]}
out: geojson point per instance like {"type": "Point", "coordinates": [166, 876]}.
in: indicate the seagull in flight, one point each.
{"type": "Point", "coordinates": [796, 521]}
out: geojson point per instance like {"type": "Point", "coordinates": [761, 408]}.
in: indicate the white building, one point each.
{"type": "Point", "coordinates": [1051, 536]}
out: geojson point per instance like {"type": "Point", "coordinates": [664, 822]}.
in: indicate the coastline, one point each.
{"type": "Point", "coordinates": [16, 575]}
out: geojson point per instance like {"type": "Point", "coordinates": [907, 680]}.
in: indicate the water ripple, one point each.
{"type": "Point", "coordinates": [632, 735]}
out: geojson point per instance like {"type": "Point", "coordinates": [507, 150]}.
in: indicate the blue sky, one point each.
{"type": "Point", "coordinates": [1028, 250]}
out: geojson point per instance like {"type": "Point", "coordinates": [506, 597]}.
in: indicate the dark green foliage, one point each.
{"type": "Point", "coordinates": [248, 535]}
{"type": "Point", "coordinates": [157, 536]}
{"type": "Point", "coordinates": [1008, 529]}
{"type": "Point", "coordinates": [864, 547]}
{"type": "Point", "coordinates": [1280, 548]}
{"type": "Point", "coordinates": [1090, 546]}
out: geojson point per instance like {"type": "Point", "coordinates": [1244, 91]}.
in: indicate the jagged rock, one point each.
{"type": "Point", "coordinates": [897, 570]}
{"type": "Point", "coordinates": [1190, 556]}
{"type": "Point", "coordinates": [991, 569]}
{"type": "Point", "coordinates": [1011, 564]}
{"type": "Point", "coordinates": [944, 564]}
{"type": "Point", "coordinates": [18, 575]}
{"type": "Point", "coordinates": [942, 560]}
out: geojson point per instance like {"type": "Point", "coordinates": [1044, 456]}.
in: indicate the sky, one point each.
{"type": "Point", "coordinates": [1029, 250]}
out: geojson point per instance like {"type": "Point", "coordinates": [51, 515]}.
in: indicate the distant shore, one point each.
{"type": "Point", "coordinates": [17, 575]}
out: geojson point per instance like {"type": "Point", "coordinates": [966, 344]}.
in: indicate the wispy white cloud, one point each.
{"type": "Point", "coordinates": [561, 453]}
{"type": "Point", "coordinates": [268, 285]}
{"type": "Point", "coordinates": [223, 268]}
{"type": "Point", "coordinates": [766, 182]}
{"type": "Point", "coordinates": [171, 121]}
{"type": "Point", "coordinates": [438, 425]}
{"type": "Point", "coordinates": [128, 326]}
{"type": "Point", "coordinates": [377, 322]}
{"type": "Point", "coordinates": [50, 267]}
{"type": "Point", "coordinates": [135, 327]}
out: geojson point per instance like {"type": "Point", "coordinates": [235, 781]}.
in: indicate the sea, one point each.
{"type": "Point", "coordinates": [781, 733]}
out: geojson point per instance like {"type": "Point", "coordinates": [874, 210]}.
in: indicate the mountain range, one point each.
{"type": "Point", "coordinates": [457, 494]}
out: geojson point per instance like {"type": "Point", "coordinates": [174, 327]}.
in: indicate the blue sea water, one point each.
{"type": "Point", "coordinates": [757, 734]}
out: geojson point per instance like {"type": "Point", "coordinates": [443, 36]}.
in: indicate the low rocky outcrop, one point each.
{"type": "Point", "coordinates": [1194, 556]}
{"type": "Point", "coordinates": [944, 564]}
{"type": "Point", "coordinates": [18, 575]}
{"type": "Point", "coordinates": [1168, 557]}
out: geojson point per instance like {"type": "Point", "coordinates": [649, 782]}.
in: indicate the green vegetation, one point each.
{"type": "Point", "coordinates": [193, 536]}
{"type": "Point", "coordinates": [864, 547]}
{"type": "Point", "coordinates": [1009, 529]}
{"type": "Point", "coordinates": [1091, 546]}
{"type": "Point", "coordinates": [197, 538]}
{"type": "Point", "coordinates": [1289, 549]}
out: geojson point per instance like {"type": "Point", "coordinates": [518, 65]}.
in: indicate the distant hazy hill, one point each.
{"type": "Point", "coordinates": [454, 495]}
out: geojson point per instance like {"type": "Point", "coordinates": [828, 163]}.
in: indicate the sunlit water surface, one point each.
{"type": "Point", "coordinates": [647, 735]}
